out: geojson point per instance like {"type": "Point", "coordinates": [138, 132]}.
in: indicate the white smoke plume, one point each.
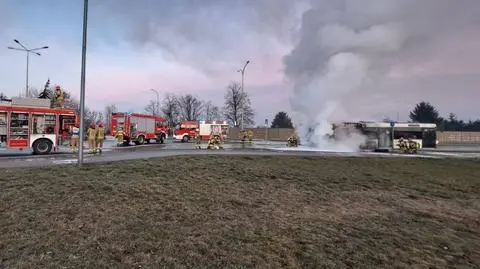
{"type": "Point", "coordinates": [345, 45]}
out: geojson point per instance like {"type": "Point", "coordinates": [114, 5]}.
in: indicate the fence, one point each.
{"type": "Point", "coordinates": [282, 134]}
{"type": "Point", "coordinates": [446, 138]}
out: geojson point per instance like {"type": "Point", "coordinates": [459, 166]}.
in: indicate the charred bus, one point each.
{"type": "Point", "coordinates": [378, 135]}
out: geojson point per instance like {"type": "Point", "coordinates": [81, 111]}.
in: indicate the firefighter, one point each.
{"type": "Point", "coordinates": [198, 139]}
{"type": "Point", "coordinates": [250, 136]}
{"type": "Point", "coordinates": [100, 138]}
{"type": "Point", "coordinates": [119, 136]}
{"type": "Point", "coordinates": [243, 135]}
{"type": "Point", "coordinates": [59, 97]}
{"type": "Point", "coordinates": [75, 138]}
{"type": "Point", "coordinates": [219, 141]}
{"type": "Point", "coordinates": [214, 142]}
{"type": "Point", "coordinates": [91, 136]}
{"type": "Point", "coordinates": [412, 146]}
{"type": "Point", "coordinates": [293, 140]}
{"type": "Point", "coordinates": [401, 144]}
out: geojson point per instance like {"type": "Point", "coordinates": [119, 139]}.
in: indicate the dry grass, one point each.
{"type": "Point", "coordinates": [243, 212]}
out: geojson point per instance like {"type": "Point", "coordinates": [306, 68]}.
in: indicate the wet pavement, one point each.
{"type": "Point", "coordinates": [112, 152]}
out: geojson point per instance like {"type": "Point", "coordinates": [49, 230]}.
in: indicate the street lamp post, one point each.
{"type": "Point", "coordinates": [28, 51]}
{"type": "Point", "coordinates": [157, 110]}
{"type": "Point", "coordinates": [82, 82]}
{"type": "Point", "coordinates": [242, 71]}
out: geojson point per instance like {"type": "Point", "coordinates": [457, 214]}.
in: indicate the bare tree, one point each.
{"type": "Point", "coordinates": [211, 111]}
{"type": "Point", "coordinates": [92, 116]}
{"type": "Point", "coordinates": [237, 103]}
{"type": "Point", "coordinates": [151, 108]}
{"type": "Point", "coordinates": [109, 109]}
{"type": "Point", "coordinates": [71, 102]}
{"type": "Point", "coordinates": [190, 107]}
{"type": "Point", "coordinates": [170, 109]}
{"type": "Point", "coordinates": [32, 93]}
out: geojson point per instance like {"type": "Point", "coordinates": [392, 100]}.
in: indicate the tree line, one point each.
{"type": "Point", "coordinates": [175, 108]}
{"type": "Point", "coordinates": [236, 106]}
{"type": "Point", "coordinates": [188, 107]}
{"type": "Point", "coordinates": [425, 112]}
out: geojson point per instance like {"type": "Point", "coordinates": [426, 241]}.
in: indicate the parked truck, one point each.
{"type": "Point", "coordinates": [30, 123]}
{"type": "Point", "coordinates": [139, 128]}
{"type": "Point", "coordinates": [186, 130]}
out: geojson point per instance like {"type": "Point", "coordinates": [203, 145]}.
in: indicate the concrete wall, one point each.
{"type": "Point", "coordinates": [282, 134]}
{"type": "Point", "coordinates": [446, 138]}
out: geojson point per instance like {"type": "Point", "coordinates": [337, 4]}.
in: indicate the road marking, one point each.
{"type": "Point", "coordinates": [68, 161]}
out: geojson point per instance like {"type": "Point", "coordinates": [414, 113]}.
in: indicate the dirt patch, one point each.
{"type": "Point", "coordinates": [243, 212]}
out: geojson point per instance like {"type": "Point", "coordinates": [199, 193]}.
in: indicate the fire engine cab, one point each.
{"type": "Point", "coordinates": [139, 128]}
{"type": "Point", "coordinates": [185, 130]}
{"type": "Point", "coordinates": [32, 124]}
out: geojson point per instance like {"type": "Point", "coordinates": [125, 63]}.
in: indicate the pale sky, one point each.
{"type": "Point", "coordinates": [188, 46]}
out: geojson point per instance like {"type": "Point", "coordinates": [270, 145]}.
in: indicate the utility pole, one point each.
{"type": "Point", "coordinates": [28, 51]}
{"type": "Point", "coordinates": [82, 82]}
{"type": "Point", "coordinates": [242, 71]}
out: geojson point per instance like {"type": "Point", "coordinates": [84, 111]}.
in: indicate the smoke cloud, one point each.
{"type": "Point", "coordinates": [207, 35]}
{"type": "Point", "coordinates": [346, 45]}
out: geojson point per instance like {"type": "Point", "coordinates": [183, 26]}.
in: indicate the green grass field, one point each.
{"type": "Point", "coordinates": [243, 212]}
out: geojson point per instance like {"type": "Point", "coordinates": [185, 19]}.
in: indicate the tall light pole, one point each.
{"type": "Point", "coordinates": [28, 51]}
{"type": "Point", "coordinates": [242, 71]}
{"type": "Point", "coordinates": [82, 82]}
{"type": "Point", "coordinates": [157, 112]}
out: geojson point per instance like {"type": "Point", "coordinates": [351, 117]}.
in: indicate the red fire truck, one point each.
{"type": "Point", "coordinates": [139, 128]}
{"type": "Point", "coordinates": [32, 124]}
{"type": "Point", "coordinates": [185, 130]}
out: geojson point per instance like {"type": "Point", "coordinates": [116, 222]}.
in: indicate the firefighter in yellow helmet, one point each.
{"type": "Point", "coordinates": [198, 139]}
{"type": "Point", "coordinates": [91, 136]}
{"type": "Point", "coordinates": [100, 137]}
{"type": "Point", "coordinates": [59, 97]}
{"type": "Point", "coordinates": [119, 136]}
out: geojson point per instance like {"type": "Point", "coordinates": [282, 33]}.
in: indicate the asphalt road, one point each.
{"type": "Point", "coordinates": [153, 152]}
{"type": "Point", "coordinates": [114, 154]}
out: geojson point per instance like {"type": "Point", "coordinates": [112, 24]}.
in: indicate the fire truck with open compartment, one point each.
{"type": "Point", "coordinates": [186, 130]}
{"type": "Point", "coordinates": [32, 124]}
{"type": "Point", "coordinates": [139, 128]}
